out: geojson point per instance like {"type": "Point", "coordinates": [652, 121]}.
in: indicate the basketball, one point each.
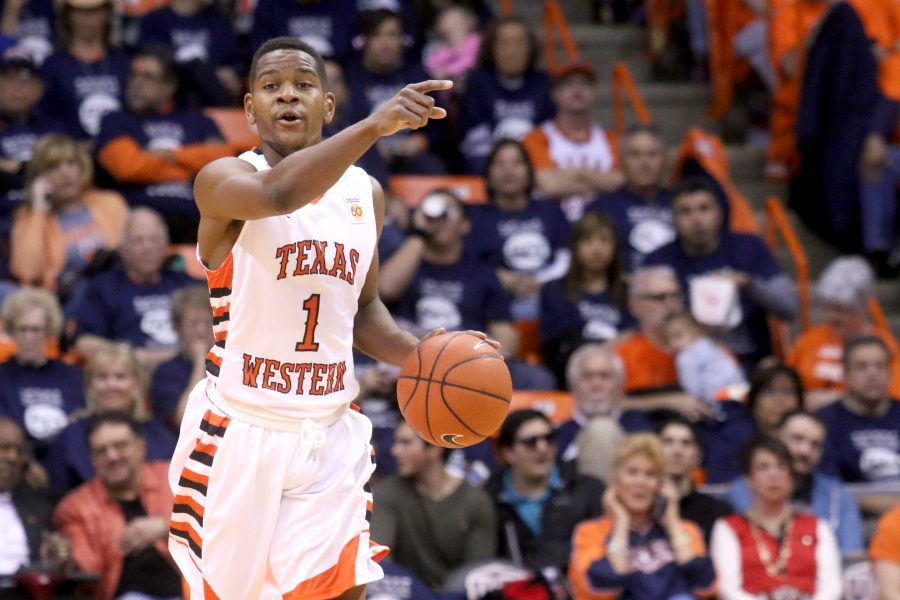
{"type": "Point", "coordinates": [454, 390]}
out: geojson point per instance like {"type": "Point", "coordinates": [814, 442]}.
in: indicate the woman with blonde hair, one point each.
{"type": "Point", "coordinates": [641, 549]}
{"type": "Point", "coordinates": [64, 221]}
{"type": "Point", "coordinates": [114, 381]}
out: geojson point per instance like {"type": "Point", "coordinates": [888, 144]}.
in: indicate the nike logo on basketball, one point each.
{"type": "Point", "coordinates": [479, 345]}
{"type": "Point", "coordinates": [450, 438]}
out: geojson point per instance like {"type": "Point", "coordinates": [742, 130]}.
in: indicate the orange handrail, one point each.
{"type": "Point", "coordinates": [777, 223]}
{"type": "Point", "coordinates": [506, 7]}
{"type": "Point", "coordinates": [623, 84]}
{"type": "Point", "coordinates": [555, 23]}
{"type": "Point", "coordinates": [720, 22]}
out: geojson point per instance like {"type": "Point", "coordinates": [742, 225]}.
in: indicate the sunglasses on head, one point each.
{"type": "Point", "coordinates": [531, 441]}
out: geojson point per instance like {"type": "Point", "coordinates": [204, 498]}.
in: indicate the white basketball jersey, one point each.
{"type": "Point", "coordinates": [284, 302]}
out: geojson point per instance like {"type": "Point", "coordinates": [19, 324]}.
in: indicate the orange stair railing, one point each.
{"type": "Point", "coordinates": [778, 225]}
{"type": "Point", "coordinates": [623, 86]}
{"type": "Point", "coordinates": [555, 25]}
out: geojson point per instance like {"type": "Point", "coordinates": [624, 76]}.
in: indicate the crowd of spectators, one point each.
{"type": "Point", "coordinates": [653, 309]}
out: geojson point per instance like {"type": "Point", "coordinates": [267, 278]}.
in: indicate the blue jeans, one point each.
{"type": "Point", "coordinates": [878, 207]}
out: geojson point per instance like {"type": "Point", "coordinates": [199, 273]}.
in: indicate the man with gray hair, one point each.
{"type": "Point", "coordinates": [651, 381]}
{"type": "Point", "coordinates": [843, 292]}
{"type": "Point", "coordinates": [595, 376]}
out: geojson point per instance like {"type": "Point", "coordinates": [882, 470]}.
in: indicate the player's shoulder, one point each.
{"type": "Point", "coordinates": [220, 169]}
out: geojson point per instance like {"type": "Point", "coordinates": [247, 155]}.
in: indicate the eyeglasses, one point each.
{"type": "Point", "coordinates": [662, 296]}
{"type": "Point", "coordinates": [531, 441]}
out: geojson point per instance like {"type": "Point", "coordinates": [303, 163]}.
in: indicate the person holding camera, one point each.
{"type": "Point", "coordinates": [641, 548]}
{"type": "Point", "coordinates": [771, 550]}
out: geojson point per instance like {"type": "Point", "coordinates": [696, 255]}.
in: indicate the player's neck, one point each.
{"type": "Point", "coordinates": [435, 484]}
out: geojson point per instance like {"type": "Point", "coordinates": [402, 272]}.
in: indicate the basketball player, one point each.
{"type": "Point", "coordinates": [270, 472]}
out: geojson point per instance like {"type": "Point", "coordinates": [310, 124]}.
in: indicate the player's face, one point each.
{"type": "Point", "coordinates": [643, 160]}
{"type": "Point", "coordinates": [770, 478]}
{"type": "Point", "coordinates": [803, 437]}
{"type": "Point", "coordinates": [867, 373]}
{"type": "Point", "coordinates": [637, 482]}
{"type": "Point", "coordinates": [597, 388]}
{"type": "Point", "coordinates": [117, 454]}
{"type": "Point", "coordinates": [680, 449]}
{"type": "Point", "coordinates": [287, 102]}
{"type": "Point", "coordinates": [114, 388]}
{"type": "Point", "coordinates": [30, 334]}
{"type": "Point", "coordinates": [697, 218]}
{"type": "Point", "coordinates": [12, 455]}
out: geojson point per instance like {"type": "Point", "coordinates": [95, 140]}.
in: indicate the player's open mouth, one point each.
{"type": "Point", "coordinates": [289, 119]}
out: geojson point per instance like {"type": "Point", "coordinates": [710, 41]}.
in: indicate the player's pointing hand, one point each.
{"type": "Point", "coordinates": [410, 108]}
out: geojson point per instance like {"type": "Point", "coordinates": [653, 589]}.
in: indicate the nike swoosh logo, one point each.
{"type": "Point", "coordinates": [450, 438]}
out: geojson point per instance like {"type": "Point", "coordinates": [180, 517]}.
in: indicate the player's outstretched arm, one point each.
{"type": "Point", "coordinates": [226, 190]}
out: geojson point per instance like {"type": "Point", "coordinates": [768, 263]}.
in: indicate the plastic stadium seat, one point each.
{"type": "Point", "coordinates": [557, 405]}
{"type": "Point", "coordinates": [412, 188]}
{"type": "Point", "coordinates": [232, 122]}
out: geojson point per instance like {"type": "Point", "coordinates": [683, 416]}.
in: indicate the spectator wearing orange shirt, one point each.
{"type": "Point", "coordinates": [573, 156]}
{"type": "Point", "coordinates": [884, 552]}
{"type": "Point", "coordinates": [844, 289]}
{"type": "Point", "coordinates": [651, 382]}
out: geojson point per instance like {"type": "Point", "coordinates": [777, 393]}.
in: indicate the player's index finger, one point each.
{"type": "Point", "coordinates": [431, 85]}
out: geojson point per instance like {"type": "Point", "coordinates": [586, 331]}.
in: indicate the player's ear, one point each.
{"type": "Point", "coordinates": [330, 106]}
{"type": "Point", "coordinates": [248, 108]}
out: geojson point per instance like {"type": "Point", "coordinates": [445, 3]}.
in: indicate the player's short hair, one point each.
{"type": "Point", "coordinates": [288, 43]}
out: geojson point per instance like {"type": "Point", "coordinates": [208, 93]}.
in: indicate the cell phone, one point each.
{"type": "Point", "coordinates": [659, 507]}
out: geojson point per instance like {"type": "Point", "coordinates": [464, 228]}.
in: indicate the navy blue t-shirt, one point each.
{"type": "Point", "coordinates": [69, 460]}
{"type": "Point", "coordinates": [166, 386]}
{"type": "Point", "coordinates": [327, 26]}
{"type": "Point", "coordinates": [594, 317]}
{"type": "Point", "coordinates": [81, 93]}
{"type": "Point", "coordinates": [749, 340]}
{"type": "Point", "coordinates": [722, 439]}
{"type": "Point", "coordinates": [861, 449]}
{"type": "Point", "coordinates": [40, 399]}
{"type": "Point", "coordinates": [35, 29]}
{"type": "Point", "coordinates": [641, 226]}
{"type": "Point", "coordinates": [113, 307]}
{"type": "Point", "coordinates": [170, 131]}
{"type": "Point", "coordinates": [494, 108]}
{"type": "Point", "coordinates": [523, 241]}
{"type": "Point", "coordinates": [463, 296]}
{"type": "Point", "coordinates": [206, 36]}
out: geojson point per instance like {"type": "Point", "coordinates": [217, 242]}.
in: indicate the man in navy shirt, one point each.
{"type": "Point", "coordinates": [131, 303]}
{"type": "Point", "coordinates": [705, 246]}
{"type": "Point", "coordinates": [641, 208]}
{"type": "Point", "coordinates": [152, 150]}
{"type": "Point", "coordinates": [37, 392]}
{"type": "Point", "coordinates": [863, 440]}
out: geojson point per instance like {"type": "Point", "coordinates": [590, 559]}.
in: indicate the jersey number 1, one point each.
{"type": "Point", "coordinates": [311, 306]}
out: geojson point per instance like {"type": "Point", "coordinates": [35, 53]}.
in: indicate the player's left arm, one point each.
{"type": "Point", "coordinates": [374, 330]}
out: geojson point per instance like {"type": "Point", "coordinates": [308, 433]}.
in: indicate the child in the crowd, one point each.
{"type": "Point", "coordinates": [454, 51]}
{"type": "Point", "coordinates": [706, 369]}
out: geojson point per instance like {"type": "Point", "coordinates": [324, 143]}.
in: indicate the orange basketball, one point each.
{"type": "Point", "coordinates": [454, 390]}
